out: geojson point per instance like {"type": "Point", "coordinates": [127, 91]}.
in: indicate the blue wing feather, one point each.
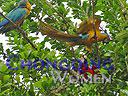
{"type": "Point", "coordinates": [15, 15]}
{"type": "Point", "coordinates": [4, 22]}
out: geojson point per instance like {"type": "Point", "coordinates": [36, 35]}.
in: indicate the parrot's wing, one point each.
{"type": "Point", "coordinates": [15, 15]}
{"type": "Point", "coordinates": [83, 28]}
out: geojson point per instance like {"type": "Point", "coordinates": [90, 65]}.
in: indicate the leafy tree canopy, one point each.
{"type": "Point", "coordinates": [62, 15]}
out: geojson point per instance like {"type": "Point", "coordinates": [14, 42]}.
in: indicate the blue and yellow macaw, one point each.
{"type": "Point", "coordinates": [85, 35]}
{"type": "Point", "coordinates": [17, 15]}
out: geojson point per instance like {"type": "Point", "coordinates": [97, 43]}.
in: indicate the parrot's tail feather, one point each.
{"type": "Point", "coordinates": [71, 43]}
{"type": "Point", "coordinates": [5, 29]}
{"type": "Point", "coordinates": [1, 30]}
{"type": "Point", "coordinates": [47, 29]}
{"type": "Point", "coordinates": [3, 23]}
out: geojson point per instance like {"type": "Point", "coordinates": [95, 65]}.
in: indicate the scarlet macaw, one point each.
{"type": "Point", "coordinates": [17, 15]}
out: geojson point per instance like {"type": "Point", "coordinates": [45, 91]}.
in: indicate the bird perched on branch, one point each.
{"type": "Point", "coordinates": [17, 16]}
{"type": "Point", "coordinates": [85, 35]}
{"type": "Point", "coordinates": [89, 30]}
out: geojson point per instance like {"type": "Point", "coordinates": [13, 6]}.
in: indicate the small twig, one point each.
{"type": "Point", "coordinates": [73, 53]}
{"type": "Point", "coordinates": [20, 30]}
{"type": "Point", "coordinates": [93, 13]}
{"type": "Point", "coordinates": [95, 35]}
{"type": "Point", "coordinates": [124, 9]}
{"type": "Point", "coordinates": [88, 9]}
{"type": "Point", "coordinates": [87, 53]}
{"type": "Point", "coordinates": [59, 89]}
{"type": "Point", "coordinates": [60, 15]}
{"type": "Point", "coordinates": [50, 5]}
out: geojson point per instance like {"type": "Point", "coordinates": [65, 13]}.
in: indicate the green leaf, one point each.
{"type": "Point", "coordinates": [6, 78]}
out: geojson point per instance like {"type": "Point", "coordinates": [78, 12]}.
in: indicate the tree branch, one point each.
{"type": "Point", "coordinates": [95, 35]}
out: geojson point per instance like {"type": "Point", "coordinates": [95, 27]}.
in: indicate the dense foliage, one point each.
{"type": "Point", "coordinates": [61, 14]}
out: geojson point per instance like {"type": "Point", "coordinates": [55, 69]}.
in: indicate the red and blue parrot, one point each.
{"type": "Point", "coordinates": [17, 15]}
